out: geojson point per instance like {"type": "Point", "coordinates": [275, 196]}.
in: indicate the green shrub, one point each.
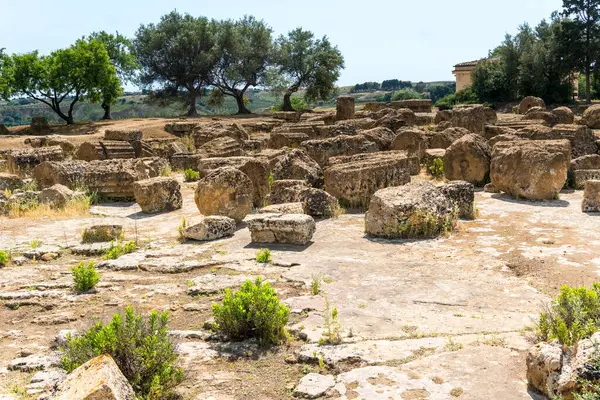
{"type": "Point", "coordinates": [436, 168]}
{"type": "Point", "coordinates": [189, 175]}
{"type": "Point", "coordinates": [465, 96]}
{"type": "Point", "coordinates": [406, 94]}
{"type": "Point", "coordinates": [333, 327]}
{"type": "Point", "coordinates": [85, 277]}
{"type": "Point", "coordinates": [298, 104]}
{"type": "Point", "coordinates": [140, 347]}
{"type": "Point", "coordinates": [253, 311]}
{"type": "Point", "coordinates": [263, 256]}
{"type": "Point", "coordinates": [574, 315]}
{"type": "Point", "coordinates": [116, 250]}
{"type": "Point", "coordinates": [3, 258]}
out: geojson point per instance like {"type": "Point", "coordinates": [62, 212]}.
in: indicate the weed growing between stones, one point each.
{"type": "Point", "coordinates": [34, 244]}
{"type": "Point", "coordinates": [572, 316]}
{"type": "Point", "coordinates": [423, 225]}
{"type": "Point", "coordinates": [316, 284]}
{"type": "Point", "coordinates": [3, 258]}
{"type": "Point", "coordinates": [252, 312]}
{"type": "Point", "coordinates": [263, 256]}
{"type": "Point", "coordinates": [141, 348]}
{"type": "Point", "coordinates": [181, 229]}
{"type": "Point", "coordinates": [85, 277]}
{"type": "Point", "coordinates": [116, 250]}
{"type": "Point", "coordinates": [436, 168]}
{"type": "Point", "coordinates": [333, 327]}
{"type": "Point", "coordinates": [166, 170]}
{"type": "Point", "coordinates": [31, 208]}
{"type": "Point", "coordinates": [189, 175]}
{"type": "Point", "coordinates": [188, 141]}
{"type": "Point", "coordinates": [590, 385]}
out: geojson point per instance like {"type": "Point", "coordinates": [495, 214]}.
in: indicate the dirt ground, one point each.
{"type": "Point", "coordinates": [445, 318]}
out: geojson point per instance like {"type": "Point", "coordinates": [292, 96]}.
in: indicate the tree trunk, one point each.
{"type": "Point", "coordinates": [287, 102]}
{"type": "Point", "coordinates": [192, 112]}
{"type": "Point", "coordinates": [588, 94]}
{"type": "Point", "coordinates": [106, 108]}
{"type": "Point", "coordinates": [239, 99]}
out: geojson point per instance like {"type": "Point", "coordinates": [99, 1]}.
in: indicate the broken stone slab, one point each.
{"type": "Point", "coordinates": [102, 233]}
{"type": "Point", "coordinates": [91, 249]}
{"type": "Point", "coordinates": [38, 252]}
{"type": "Point", "coordinates": [210, 228]}
{"type": "Point", "coordinates": [99, 378]}
{"type": "Point", "coordinates": [210, 284]}
{"type": "Point", "coordinates": [126, 262]}
{"type": "Point", "coordinates": [161, 266]}
{"type": "Point", "coordinates": [45, 381]}
{"type": "Point", "coordinates": [314, 385]}
{"type": "Point", "coordinates": [54, 319]}
{"type": "Point", "coordinates": [295, 229]}
{"type": "Point", "coordinates": [284, 208]}
{"type": "Point", "coordinates": [30, 294]}
{"type": "Point", "coordinates": [302, 304]}
{"type": "Point", "coordinates": [35, 362]}
{"type": "Point", "coordinates": [158, 194]}
{"type": "Point", "coordinates": [62, 336]}
{"type": "Point", "coordinates": [188, 334]}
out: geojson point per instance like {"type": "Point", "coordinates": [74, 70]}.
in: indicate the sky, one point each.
{"type": "Point", "coordinates": [412, 40]}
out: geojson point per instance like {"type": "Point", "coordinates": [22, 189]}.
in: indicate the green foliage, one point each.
{"type": "Point", "coordinates": [81, 71]}
{"type": "Point", "coordinates": [316, 284]}
{"type": "Point", "coordinates": [85, 277]}
{"type": "Point", "coordinates": [395, 84]}
{"type": "Point", "coordinates": [436, 92]}
{"type": "Point", "coordinates": [297, 104]}
{"type": "Point", "coordinates": [465, 96]}
{"type": "Point", "coordinates": [3, 258]}
{"type": "Point", "coordinates": [253, 311]}
{"type": "Point", "coordinates": [189, 175]}
{"type": "Point", "coordinates": [436, 168]}
{"type": "Point", "coordinates": [166, 170]}
{"type": "Point", "coordinates": [333, 327]}
{"type": "Point", "coordinates": [140, 347]}
{"type": "Point", "coordinates": [572, 316]}
{"type": "Point", "coordinates": [271, 180]}
{"type": "Point", "coordinates": [406, 94]}
{"type": "Point", "coordinates": [307, 63]}
{"type": "Point", "coordinates": [181, 228]}
{"type": "Point", "coordinates": [365, 87]}
{"type": "Point", "coordinates": [263, 256]}
{"type": "Point", "coordinates": [116, 250]}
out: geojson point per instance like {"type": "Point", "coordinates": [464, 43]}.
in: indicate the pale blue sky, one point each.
{"type": "Point", "coordinates": [380, 39]}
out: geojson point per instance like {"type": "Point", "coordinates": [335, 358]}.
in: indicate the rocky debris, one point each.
{"type": "Point", "coordinates": [99, 378]}
{"type": "Point", "coordinates": [287, 191]}
{"type": "Point", "coordinates": [344, 108]}
{"type": "Point", "coordinates": [529, 102]}
{"type": "Point", "coordinates": [295, 229]}
{"type": "Point", "coordinates": [127, 135]}
{"type": "Point", "coordinates": [10, 182]}
{"type": "Point", "coordinates": [585, 168]}
{"type": "Point", "coordinates": [158, 194]}
{"type": "Point", "coordinates": [431, 155]}
{"type": "Point", "coordinates": [102, 233]}
{"type": "Point", "coordinates": [221, 147]}
{"type": "Point", "coordinates": [411, 140]}
{"type": "Point", "coordinates": [530, 169]}
{"type": "Point", "coordinates": [396, 119]}
{"type": "Point", "coordinates": [91, 249]}
{"type": "Point", "coordinates": [46, 141]}
{"type": "Point", "coordinates": [582, 139]}
{"type": "Point", "coordinates": [207, 133]}
{"type": "Point", "coordinates": [468, 159]}
{"type": "Point", "coordinates": [491, 131]}
{"type": "Point", "coordinates": [537, 113]}
{"type": "Point", "coordinates": [255, 168]}
{"type": "Point", "coordinates": [443, 139]}
{"type": "Point", "coordinates": [296, 164]}
{"type": "Point", "coordinates": [591, 196]}
{"type": "Point", "coordinates": [462, 195]}
{"type": "Point", "coordinates": [225, 191]}
{"type": "Point", "coordinates": [414, 210]}
{"type": "Point", "coordinates": [563, 115]}
{"type": "Point", "coordinates": [590, 161]}
{"type": "Point", "coordinates": [127, 262]}
{"type": "Point", "coordinates": [105, 150]}
{"type": "Point", "coordinates": [180, 128]}
{"type": "Point", "coordinates": [39, 252]}
{"type": "Point", "coordinates": [108, 178]}
{"type": "Point", "coordinates": [315, 202]}
{"type": "Point", "coordinates": [19, 200]}
{"type": "Point", "coordinates": [57, 195]}
{"type": "Point", "coordinates": [473, 117]}
{"type": "Point", "coordinates": [283, 208]}
{"type": "Point", "coordinates": [45, 381]}
{"type": "Point", "coordinates": [591, 117]}
{"type": "Point", "coordinates": [39, 126]}
{"type": "Point", "coordinates": [415, 105]}
{"type": "Point", "coordinates": [22, 161]}
{"type": "Point", "coordinates": [381, 136]}
{"type": "Point", "coordinates": [314, 385]}
{"type": "Point", "coordinates": [183, 161]}
{"type": "Point", "coordinates": [210, 228]}
{"type": "Point", "coordinates": [34, 362]}
{"type": "Point", "coordinates": [557, 371]}
{"type": "Point", "coordinates": [321, 150]}
{"type": "Point", "coordinates": [287, 139]}
{"type": "Point", "coordinates": [504, 138]}
{"type": "Point", "coordinates": [353, 180]}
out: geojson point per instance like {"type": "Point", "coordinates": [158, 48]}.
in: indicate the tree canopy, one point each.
{"type": "Point", "coordinates": [308, 63]}
{"type": "Point", "coordinates": [81, 71]}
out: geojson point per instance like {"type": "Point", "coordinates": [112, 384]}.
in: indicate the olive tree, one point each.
{"type": "Point", "coordinates": [307, 63]}
{"type": "Point", "coordinates": [82, 71]}
{"type": "Point", "coordinates": [177, 55]}
{"type": "Point", "coordinates": [244, 49]}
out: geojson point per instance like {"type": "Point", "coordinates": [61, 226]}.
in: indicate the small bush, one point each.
{"type": "Point", "coordinates": [116, 250]}
{"type": "Point", "coordinates": [298, 104]}
{"type": "Point", "coordinates": [263, 256]}
{"type": "Point", "coordinates": [406, 94]}
{"type": "Point", "coordinates": [333, 327]}
{"type": "Point", "coordinates": [316, 284]}
{"type": "Point", "coordinates": [85, 277]}
{"type": "Point", "coordinates": [34, 244]}
{"type": "Point", "coordinates": [140, 347]}
{"type": "Point", "coordinates": [253, 311]}
{"type": "Point", "coordinates": [436, 168]}
{"type": "Point", "coordinates": [181, 228]}
{"type": "Point", "coordinates": [189, 175]}
{"type": "Point", "coordinates": [465, 96]}
{"type": "Point", "coordinates": [574, 315]}
{"type": "Point", "coordinates": [3, 258]}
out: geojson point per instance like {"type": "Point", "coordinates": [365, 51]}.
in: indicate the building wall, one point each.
{"type": "Point", "coordinates": [463, 79]}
